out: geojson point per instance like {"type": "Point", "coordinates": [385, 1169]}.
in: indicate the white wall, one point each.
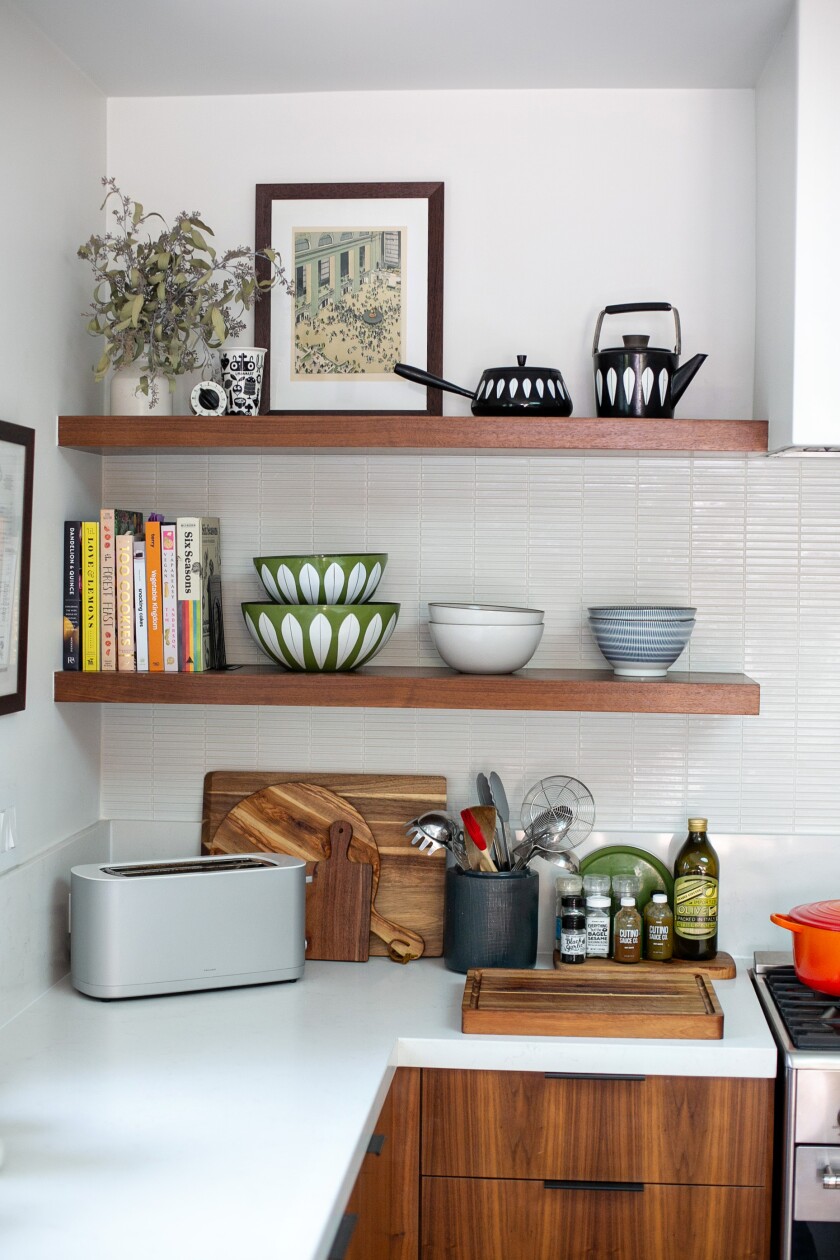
{"type": "Point", "coordinates": [52, 151]}
{"type": "Point", "coordinates": [557, 203]}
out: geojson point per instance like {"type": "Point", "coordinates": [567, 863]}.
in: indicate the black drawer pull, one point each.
{"type": "Point", "coordinates": [591, 1076]}
{"type": "Point", "coordinates": [374, 1146]}
{"type": "Point", "coordinates": [343, 1235]}
{"type": "Point", "coordinates": [633, 1187]}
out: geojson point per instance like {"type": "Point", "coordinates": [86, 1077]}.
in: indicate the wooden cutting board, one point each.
{"type": "Point", "coordinates": [722, 967]}
{"type": "Point", "coordinates": [630, 1003]}
{"type": "Point", "coordinates": [345, 889]}
{"type": "Point", "coordinates": [411, 884]}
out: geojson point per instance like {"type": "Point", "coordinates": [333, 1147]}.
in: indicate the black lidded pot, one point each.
{"type": "Point", "coordinates": [636, 380]}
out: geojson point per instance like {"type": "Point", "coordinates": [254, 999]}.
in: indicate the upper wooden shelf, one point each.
{"type": "Point", "coordinates": [544, 690]}
{"type": "Point", "coordinates": [127, 435]}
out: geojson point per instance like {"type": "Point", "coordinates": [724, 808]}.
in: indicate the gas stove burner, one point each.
{"type": "Point", "coordinates": [812, 1019]}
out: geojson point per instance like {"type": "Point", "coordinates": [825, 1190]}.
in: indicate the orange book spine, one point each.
{"type": "Point", "coordinates": [154, 590]}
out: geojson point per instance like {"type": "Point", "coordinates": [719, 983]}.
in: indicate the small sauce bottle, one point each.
{"type": "Point", "coordinates": [563, 885]}
{"type": "Point", "coordinates": [627, 933]}
{"type": "Point", "coordinates": [659, 929]}
{"type": "Point", "coordinates": [573, 930]}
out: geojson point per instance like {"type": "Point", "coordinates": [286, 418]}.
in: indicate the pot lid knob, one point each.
{"type": "Point", "coordinates": [520, 359]}
{"type": "Point", "coordinates": [635, 341]}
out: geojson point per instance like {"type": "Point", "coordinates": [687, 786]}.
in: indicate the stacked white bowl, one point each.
{"type": "Point", "coordinates": [485, 638]}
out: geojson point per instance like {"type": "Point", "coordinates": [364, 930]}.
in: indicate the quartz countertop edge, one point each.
{"type": "Point", "coordinates": [234, 1122]}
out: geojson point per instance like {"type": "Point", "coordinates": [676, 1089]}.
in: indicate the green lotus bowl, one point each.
{"type": "Point", "coordinates": [337, 579]}
{"type": "Point", "coordinates": [320, 638]}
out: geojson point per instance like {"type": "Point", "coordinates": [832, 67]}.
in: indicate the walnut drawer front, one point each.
{"type": "Point", "coordinates": [668, 1129]}
{"type": "Point", "coordinates": [474, 1219]}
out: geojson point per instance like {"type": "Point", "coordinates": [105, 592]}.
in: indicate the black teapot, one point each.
{"type": "Point", "coordinates": [636, 379]}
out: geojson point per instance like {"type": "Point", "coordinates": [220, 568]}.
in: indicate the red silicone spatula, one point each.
{"type": "Point", "coordinates": [476, 834]}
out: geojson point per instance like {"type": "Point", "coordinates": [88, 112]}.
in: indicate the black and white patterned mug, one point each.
{"type": "Point", "coordinates": [242, 373]}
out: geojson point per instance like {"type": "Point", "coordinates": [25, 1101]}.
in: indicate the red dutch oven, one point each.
{"type": "Point", "coordinates": [816, 944]}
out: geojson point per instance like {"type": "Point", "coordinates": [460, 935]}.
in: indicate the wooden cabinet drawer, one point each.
{"type": "Point", "coordinates": [669, 1129]}
{"type": "Point", "coordinates": [386, 1197]}
{"type": "Point", "coordinates": [474, 1219]}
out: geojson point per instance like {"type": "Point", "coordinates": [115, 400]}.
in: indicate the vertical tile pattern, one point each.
{"type": "Point", "coordinates": [753, 543]}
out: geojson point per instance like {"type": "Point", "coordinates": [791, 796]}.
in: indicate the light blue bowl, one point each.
{"type": "Point", "coordinates": [640, 648]}
{"type": "Point", "coordinates": [642, 612]}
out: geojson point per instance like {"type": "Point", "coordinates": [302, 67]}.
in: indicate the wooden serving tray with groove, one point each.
{"type": "Point", "coordinates": [722, 966]}
{"type": "Point", "coordinates": [629, 1002]}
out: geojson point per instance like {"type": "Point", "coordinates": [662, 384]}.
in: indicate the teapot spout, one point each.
{"type": "Point", "coordinates": [683, 377]}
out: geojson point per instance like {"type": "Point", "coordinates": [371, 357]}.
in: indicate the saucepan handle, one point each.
{"type": "Point", "coordinates": [783, 921]}
{"type": "Point", "coordinates": [420, 377]}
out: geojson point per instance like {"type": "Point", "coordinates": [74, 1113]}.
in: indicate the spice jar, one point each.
{"type": "Point", "coordinates": [596, 886]}
{"type": "Point", "coordinates": [598, 927]}
{"type": "Point", "coordinates": [563, 886]}
{"type": "Point", "coordinates": [659, 929]}
{"type": "Point", "coordinates": [627, 933]}
{"type": "Point", "coordinates": [573, 930]}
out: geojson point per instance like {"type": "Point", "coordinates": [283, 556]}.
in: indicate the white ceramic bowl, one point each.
{"type": "Point", "coordinates": [484, 614]}
{"type": "Point", "coordinates": [486, 649]}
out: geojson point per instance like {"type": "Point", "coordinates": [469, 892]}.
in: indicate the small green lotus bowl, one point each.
{"type": "Point", "coordinates": [320, 638]}
{"type": "Point", "coordinates": [347, 579]}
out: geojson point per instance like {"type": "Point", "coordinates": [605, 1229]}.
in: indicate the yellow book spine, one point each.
{"type": "Point", "coordinates": [90, 595]}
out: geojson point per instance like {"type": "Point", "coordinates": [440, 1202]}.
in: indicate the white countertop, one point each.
{"type": "Point", "coordinates": [233, 1123]}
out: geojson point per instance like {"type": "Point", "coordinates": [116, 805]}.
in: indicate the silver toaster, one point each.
{"type": "Point", "coordinates": [195, 923]}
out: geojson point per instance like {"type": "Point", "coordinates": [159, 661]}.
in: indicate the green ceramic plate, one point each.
{"type": "Point", "coordinates": [622, 859]}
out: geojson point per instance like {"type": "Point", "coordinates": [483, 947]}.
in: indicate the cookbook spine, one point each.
{"type": "Point", "coordinates": [125, 602]}
{"type": "Point", "coordinates": [141, 626]}
{"type": "Point", "coordinates": [212, 651]}
{"type": "Point", "coordinates": [169, 587]}
{"type": "Point", "coordinates": [71, 646]}
{"type": "Point", "coordinates": [90, 595]}
{"type": "Point", "coordinates": [189, 593]}
{"type": "Point", "coordinates": [107, 590]}
{"type": "Point", "coordinates": [154, 596]}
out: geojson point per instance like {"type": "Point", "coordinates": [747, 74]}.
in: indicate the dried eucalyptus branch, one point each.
{"type": "Point", "coordinates": [172, 299]}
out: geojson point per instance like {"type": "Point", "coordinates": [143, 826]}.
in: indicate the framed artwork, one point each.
{"type": "Point", "coordinates": [366, 262]}
{"type": "Point", "coordinates": [17, 457]}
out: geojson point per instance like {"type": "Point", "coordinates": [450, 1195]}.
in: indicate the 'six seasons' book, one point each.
{"type": "Point", "coordinates": [90, 595]}
{"type": "Point", "coordinates": [199, 576]}
{"type": "Point", "coordinates": [125, 602]}
{"type": "Point", "coordinates": [72, 656]}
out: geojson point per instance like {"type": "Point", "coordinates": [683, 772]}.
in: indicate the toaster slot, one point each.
{"type": "Point", "coordinates": [198, 866]}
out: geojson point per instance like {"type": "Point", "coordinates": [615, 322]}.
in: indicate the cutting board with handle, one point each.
{"type": "Point", "coordinates": [282, 814]}
{"type": "Point", "coordinates": [344, 888]}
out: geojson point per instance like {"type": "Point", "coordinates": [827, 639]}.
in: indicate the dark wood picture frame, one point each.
{"type": "Point", "coordinates": [267, 194]}
{"type": "Point", "coordinates": [17, 435]}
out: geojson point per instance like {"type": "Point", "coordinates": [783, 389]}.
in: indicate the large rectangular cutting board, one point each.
{"type": "Point", "coordinates": [411, 883]}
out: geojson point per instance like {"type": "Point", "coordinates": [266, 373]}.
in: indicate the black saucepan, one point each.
{"type": "Point", "coordinates": [505, 390]}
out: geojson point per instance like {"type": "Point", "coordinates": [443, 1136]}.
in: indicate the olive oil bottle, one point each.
{"type": "Point", "coordinates": [696, 875]}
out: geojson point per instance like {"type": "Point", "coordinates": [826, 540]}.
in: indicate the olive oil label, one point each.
{"type": "Point", "coordinates": [695, 906]}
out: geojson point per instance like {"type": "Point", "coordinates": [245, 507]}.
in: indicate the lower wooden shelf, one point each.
{"type": "Point", "coordinates": [543, 690]}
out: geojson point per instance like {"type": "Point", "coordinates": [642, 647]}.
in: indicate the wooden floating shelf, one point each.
{"type": "Point", "coordinates": [543, 690]}
{"type": "Point", "coordinates": [132, 435]}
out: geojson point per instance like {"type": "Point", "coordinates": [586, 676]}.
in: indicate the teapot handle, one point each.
{"type": "Point", "coordinates": [621, 308]}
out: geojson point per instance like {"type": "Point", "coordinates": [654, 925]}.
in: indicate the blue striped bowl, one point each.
{"type": "Point", "coordinates": [639, 648]}
{"type": "Point", "coordinates": [642, 612]}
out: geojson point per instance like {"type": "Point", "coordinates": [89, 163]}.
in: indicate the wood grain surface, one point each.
{"type": "Point", "coordinates": [467, 1219]}
{"type": "Point", "coordinates": [628, 1003]}
{"type": "Point", "coordinates": [410, 888]}
{"type": "Point", "coordinates": [341, 932]}
{"type": "Point", "coordinates": [386, 1196]}
{"type": "Point", "coordinates": [108, 435]}
{"type": "Point", "coordinates": [421, 687]}
{"type": "Point", "coordinates": [669, 1129]}
{"type": "Point", "coordinates": [722, 967]}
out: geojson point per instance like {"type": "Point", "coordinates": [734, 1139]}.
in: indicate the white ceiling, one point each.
{"type": "Point", "coordinates": [213, 47]}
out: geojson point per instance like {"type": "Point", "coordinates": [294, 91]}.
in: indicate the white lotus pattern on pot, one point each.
{"type": "Point", "coordinates": [599, 385]}
{"type": "Point", "coordinates": [292, 637]}
{"type": "Point", "coordinates": [373, 582]}
{"type": "Point", "coordinates": [612, 382]}
{"type": "Point", "coordinates": [355, 582]}
{"type": "Point", "coordinates": [389, 631]}
{"type": "Point", "coordinates": [320, 636]}
{"type": "Point", "coordinates": [252, 630]}
{"type": "Point", "coordinates": [269, 636]}
{"type": "Point", "coordinates": [663, 385]}
{"type": "Point", "coordinates": [348, 637]}
{"type": "Point", "coordinates": [333, 582]}
{"type": "Point", "coordinates": [310, 585]}
{"type": "Point", "coordinates": [629, 379]}
{"type": "Point", "coordinates": [269, 584]}
{"type": "Point", "coordinates": [372, 634]}
{"type": "Point", "coordinates": [288, 585]}
{"type": "Point", "coordinates": [647, 383]}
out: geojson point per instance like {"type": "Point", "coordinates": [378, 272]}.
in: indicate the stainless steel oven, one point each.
{"type": "Point", "coordinates": [806, 1026]}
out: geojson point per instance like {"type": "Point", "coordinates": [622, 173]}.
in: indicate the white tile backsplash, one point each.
{"type": "Point", "coordinates": [753, 542]}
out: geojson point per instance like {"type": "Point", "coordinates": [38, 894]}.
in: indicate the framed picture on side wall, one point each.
{"type": "Point", "coordinates": [366, 262]}
{"type": "Point", "coordinates": [17, 457]}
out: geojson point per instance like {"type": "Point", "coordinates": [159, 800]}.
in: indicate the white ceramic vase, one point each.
{"type": "Point", "coordinates": [128, 400]}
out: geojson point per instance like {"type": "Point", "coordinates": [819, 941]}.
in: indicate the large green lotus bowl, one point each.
{"type": "Point", "coordinates": [320, 638]}
{"type": "Point", "coordinates": [348, 579]}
